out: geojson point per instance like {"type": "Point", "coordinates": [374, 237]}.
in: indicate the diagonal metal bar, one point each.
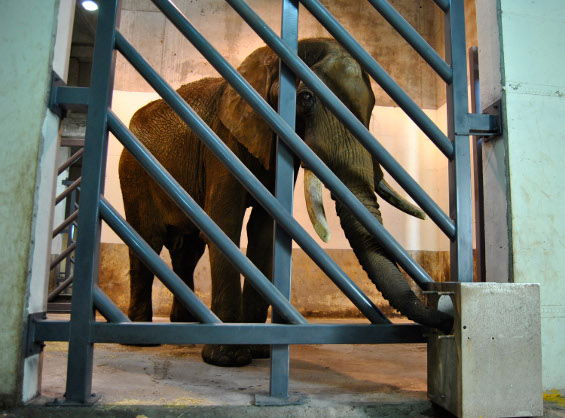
{"type": "Point", "coordinates": [70, 161]}
{"type": "Point", "coordinates": [257, 190]}
{"type": "Point", "coordinates": [379, 75]}
{"type": "Point", "coordinates": [202, 220]}
{"type": "Point", "coordinates": [63, 255]}
{"type": "Point", "coordinates": [413, 38]}
{"type": "Point", "coordinates": [338, 109]}
{"type": "Point", "coordinates": [65, 223]}
{"type": "Point", "coordinates": [156, 264]}
{"type": "Point", "coordinates": [68, 190]}
{"type": "Point", "coordinates": [107, 308]}
{"type": "Point", "coordinates": [443, 5]}
{"type": "Point", "coordinates": [57, 291]}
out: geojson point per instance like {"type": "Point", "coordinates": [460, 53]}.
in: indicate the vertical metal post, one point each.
{"type": "Point", "coordinates": [284, 188]}
{"type": "Point", "coordinates": [79, 367]}
{"type": "Point", "coordinates": [460, 165]}
{"type": "Point", "coordinates": [477, 144]}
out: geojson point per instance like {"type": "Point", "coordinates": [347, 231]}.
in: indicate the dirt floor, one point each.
{"type": "Point", "coordinates": [173, 381]}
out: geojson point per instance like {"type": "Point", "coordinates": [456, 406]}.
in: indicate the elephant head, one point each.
{"type": "Point", "coordinates": [339, 149]}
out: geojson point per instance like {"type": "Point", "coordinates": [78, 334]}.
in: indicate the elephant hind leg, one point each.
{"type": "Point", "coordinates": [185, 252]}
{"type": "Point", "coordinates": [141, 283]}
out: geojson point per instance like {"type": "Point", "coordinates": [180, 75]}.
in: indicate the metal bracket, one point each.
{"type": "Point", "coordinates": [63, 97]}
{"type": "Point", "coordinates": [486, 125]}
{"type": "Point", "coordinates": [494, 109]}
{"type": "Point", "coordinates": [33, 347]}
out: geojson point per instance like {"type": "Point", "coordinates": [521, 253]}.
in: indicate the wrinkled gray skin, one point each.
{"type": "Point", "coordinates": [161, 223]}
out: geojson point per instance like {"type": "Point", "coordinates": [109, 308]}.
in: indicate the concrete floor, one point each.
{"type": "Point", "coordinates": [173, 381]}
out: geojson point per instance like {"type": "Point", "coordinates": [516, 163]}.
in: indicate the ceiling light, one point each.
{"type": "Point", "coordinates": [90, 5]}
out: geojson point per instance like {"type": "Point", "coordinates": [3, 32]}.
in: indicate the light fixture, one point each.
{"type": "Point", "coordinates": [89, 5]}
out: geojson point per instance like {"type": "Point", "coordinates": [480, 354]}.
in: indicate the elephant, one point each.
{"type": "Point", "coordinates": [161, 223]}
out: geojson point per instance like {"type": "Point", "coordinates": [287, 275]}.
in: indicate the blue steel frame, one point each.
{"type": "Point", "coordinates": [289, 327]}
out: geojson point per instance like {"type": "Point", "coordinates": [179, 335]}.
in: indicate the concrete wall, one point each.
{"type": "Point", "coordinates": [525, 165]}
{"type": "Point", "coordinates": [29, 143]}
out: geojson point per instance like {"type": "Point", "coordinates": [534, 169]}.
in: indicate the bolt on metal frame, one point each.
{"type": "Point", "coordinates": [289, 327]}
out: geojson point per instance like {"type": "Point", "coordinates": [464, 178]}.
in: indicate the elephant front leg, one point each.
{"type": "Point", "coordinates": [260, 252]}
{"type": "Point", "coordinates": [226, 281]}
{"type": "Point", "coordinates": [226, 304]}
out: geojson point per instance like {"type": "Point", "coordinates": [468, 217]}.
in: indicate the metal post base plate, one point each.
{"type": "Point", "coordinates": [63, 402]}
{"type": "Point", "coordinates": [267, 400]}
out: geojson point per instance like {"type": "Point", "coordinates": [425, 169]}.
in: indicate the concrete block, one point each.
{"type": "Point", "coordinates": [491, 364]}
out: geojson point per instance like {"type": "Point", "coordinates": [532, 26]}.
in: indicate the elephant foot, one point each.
{"type": "Point", "coordinates": [226, 355]}
{"type": "Point", "coordinates": [260, 350]}
{"type": "Point", "coordinates": [182, 316]}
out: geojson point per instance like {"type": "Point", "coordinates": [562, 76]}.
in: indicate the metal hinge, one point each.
{"type": "Point", "coordinates": [63, 97]}
{"type": "Point", "coordinates": [32, 346]}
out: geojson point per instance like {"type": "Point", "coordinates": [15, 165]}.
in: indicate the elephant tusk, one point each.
{"type": "Point", "coordinates": [385, 191]}
{"type": "Point", "coordinates": [315, 205]}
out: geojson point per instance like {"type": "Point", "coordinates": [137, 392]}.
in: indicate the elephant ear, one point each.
{"type": "Point", "coordinates": [260, 69]}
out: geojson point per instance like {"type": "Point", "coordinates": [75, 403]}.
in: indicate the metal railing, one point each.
{"type": "Point", "coordinates": [83, 331]}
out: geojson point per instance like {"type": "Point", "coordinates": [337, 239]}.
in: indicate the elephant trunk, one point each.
{"type": "Point", "coordinates": [382, 271]}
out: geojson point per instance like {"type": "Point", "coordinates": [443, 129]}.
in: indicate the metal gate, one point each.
{"type": "Point", "coordinates": [289, 327]}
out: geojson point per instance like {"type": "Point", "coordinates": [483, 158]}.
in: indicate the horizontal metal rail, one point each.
{"type": "Point", "coordinates": [414, 39]}
{"type": "Point", "coordinates": [339, 110]}
{"type": "Point", "coordinates": [295, 143]}
{"type": "Point", "coordinates": [57, 291]}
{"type": "Point", "coordinates": [70, 161]}
{"type": "Point", "coordinates": [68, 190]}
{"type": "Point", "coordinates": [380, 76]}
{"type": "Point", "coordinates": [248, 180]}
{"type": "Point", "coordinates": [167, 333]}
{"type": "Point", "coordinates": [65, 223]}
{"type": "Point", "coordinates": [156, 264]}
{"type": "Point", "coordinates": [63, 255]}
{"type": "Point", "coordinates": [201, 219]}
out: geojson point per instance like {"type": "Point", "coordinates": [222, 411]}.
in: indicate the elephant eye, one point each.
{"type": "Point", "coordinates": [306, 99]}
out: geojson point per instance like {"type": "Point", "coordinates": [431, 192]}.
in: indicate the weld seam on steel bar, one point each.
{"type": "Point", "coordinates": [156, 264]}
{"type": "Point", "coordinates": [379, 75]}
{"type": "Point", "coordinates": [59, 289]}
{"type": "Point", "coordinates": [68, 190]}
{"type": "Point", "coordinates": [107, 307]}
{"type": "Point", "coordinates": [248, 180]}
{"type": "Point", "coordinates": [295, 144]}
{"type": "Point", "coordinates": [65, 223]}
{"type": "Point", "coordinates": [70, 161]}
{"type": "Point", "coordinates": [338, 109]}
{"type": "Point", "coordinates": [413, 38]}
{"type": "Point", "coordinates": [63, 255]}
{"type": "Point", "coordinates": [298, 146]}
{"type": "Point", "coordinates": [203, 221]}
{"type": "Point", "coordinates": [443, 5]}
